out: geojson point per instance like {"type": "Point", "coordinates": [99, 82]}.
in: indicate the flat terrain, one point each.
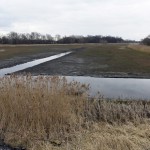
{"type": "Point", "coordinates": [100, 60]}
{"type": "Point", "coordinates": [11, 55]}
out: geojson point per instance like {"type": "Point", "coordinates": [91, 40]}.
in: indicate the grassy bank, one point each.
{"type": "Point", "coordinates": [10, 51]}
{"type": "Point", "coordinates": [140, 47]}
{"type": "Point", "coordinates": [108, 60]}
{"type": "Point", "coordinates": [49, 113]}
{"type": "Point", "coordinates": [116, 58]}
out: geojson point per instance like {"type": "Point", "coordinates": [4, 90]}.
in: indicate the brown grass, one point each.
{"type": "Point", "coordinates": [140, 47]}
{"type": "Point", "coordinates": [49, 113]}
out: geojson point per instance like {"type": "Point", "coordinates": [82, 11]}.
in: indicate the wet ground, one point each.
{"type": "Point", "coordinates": [78, 63]}
{"type": "Point", "coordinates": [75, 65]}
{"type": "Point", "coordinates": [20, 60]}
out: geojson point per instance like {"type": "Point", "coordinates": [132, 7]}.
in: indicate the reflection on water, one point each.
{"type": "Point", "coordinates": [117, 87]}
{"type": "Point", "coordinates": [108, 87]}
{"type": "Point", "coordinates": [30, 64]}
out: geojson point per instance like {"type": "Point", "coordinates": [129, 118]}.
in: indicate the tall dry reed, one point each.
{"type": "Point", "coordinates": [49, 108]}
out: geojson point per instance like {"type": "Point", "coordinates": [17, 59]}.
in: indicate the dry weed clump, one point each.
{"type": "Point", "coordinates": [51, 110]}
{"type": "Point", "coordinates": [140, 47]}
{"type": "Point", "coordinates": [118, 111]}
{"type": "Point", "coordinates": [40, 107]}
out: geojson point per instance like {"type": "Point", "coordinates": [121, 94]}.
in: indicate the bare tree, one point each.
{"type": "Point", "coordinates": [57, 37]}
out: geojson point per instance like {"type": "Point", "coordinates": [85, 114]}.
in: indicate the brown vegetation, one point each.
{"type": "Point", "coordinates": [49, 113]}
{"type": "Point", "coordinates": [140, 47]}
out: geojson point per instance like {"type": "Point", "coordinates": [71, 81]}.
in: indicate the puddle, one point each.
{"type": "Point", "coordinates": [30, 64]}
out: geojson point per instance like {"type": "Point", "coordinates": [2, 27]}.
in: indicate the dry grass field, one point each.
{"type": "Point", "coordinates": [140, 47]}
{"type": "Point", "coordinates": [48, 113]}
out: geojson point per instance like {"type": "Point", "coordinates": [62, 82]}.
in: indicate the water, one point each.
{"type": "Point", "coordinates": [109, 87]}
{"type": "Point", "coordinates": [123, 88]}
{"type": "Point", "coordinates": [30, 64]}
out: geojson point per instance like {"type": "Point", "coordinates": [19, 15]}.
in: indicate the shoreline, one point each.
{"type": "Point", "coordinates": [92, 60]}
{"type": "Point", "coordinates": [48, 68]}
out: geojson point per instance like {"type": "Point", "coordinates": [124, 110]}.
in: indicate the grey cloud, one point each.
{"type": "Point", "coordinates": [129, 19]}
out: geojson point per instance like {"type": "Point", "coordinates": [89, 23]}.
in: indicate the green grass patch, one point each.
{"type": "Point", "coordinates": [118, 58]}
{"type": "Point", "coordinates": [10, 51]}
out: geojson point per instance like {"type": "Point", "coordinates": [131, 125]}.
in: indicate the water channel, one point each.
{"type": "Point", "coordinates": [108, 87]}
{"type": "Point", "coordinates": [33, 63]}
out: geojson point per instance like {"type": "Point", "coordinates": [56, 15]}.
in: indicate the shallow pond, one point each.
{"type": "Point", "coordinates": [108, 87]}
{"type": "Point", "coordinates": [117, 87]}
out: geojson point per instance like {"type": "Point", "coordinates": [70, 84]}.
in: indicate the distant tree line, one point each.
{"type": "Point", "coordinates": [37, 38]}
{"type": "Point", "coordinates": [90, 39]}
{"type": "Point", "coordinates": [146, 41]}
{"type": "Point", "coordinates": [27, 38]}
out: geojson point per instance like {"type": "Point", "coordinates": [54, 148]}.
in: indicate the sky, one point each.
{"type": "Point", "coordinates": [129, 19]}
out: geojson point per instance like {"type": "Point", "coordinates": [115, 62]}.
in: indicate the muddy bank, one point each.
{"type": "Point", "coordinates": [74, 65]}
{"type": "Point", "coordinates": [82, 62]}
{"type": "Point", "coordinates": [20, 60]}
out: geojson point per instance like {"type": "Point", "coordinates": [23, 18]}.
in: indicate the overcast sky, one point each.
{"type": "Point", "coordinates": [129, 19]}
